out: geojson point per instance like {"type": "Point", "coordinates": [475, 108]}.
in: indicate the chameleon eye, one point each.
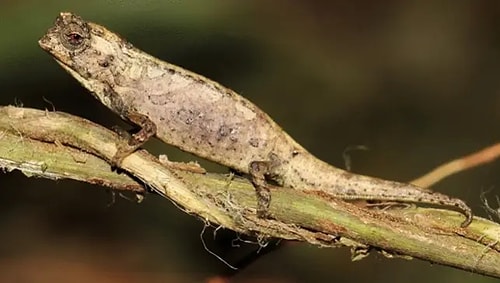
{"type": "Point", "coordinates": [74, 36]}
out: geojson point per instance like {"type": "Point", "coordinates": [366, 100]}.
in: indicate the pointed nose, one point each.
{"type": "Point", "coordinates": [44, 43]}
{"type": "Point", "coordinates": [49, 40]}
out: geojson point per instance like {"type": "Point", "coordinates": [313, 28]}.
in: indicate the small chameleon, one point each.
{"type": "Point", "coordinates": [202, 117]}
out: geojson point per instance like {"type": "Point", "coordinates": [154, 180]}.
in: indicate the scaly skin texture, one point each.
{"type": "Point", "coordinates": [201, 116]}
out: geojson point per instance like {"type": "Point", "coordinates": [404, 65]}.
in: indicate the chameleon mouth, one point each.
{"type": "Point", "coordinates": [47, 45]}
{"type": "Point", "coordinates": [48, 41]}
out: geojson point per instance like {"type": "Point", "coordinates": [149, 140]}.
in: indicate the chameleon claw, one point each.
{"type": "Point", "coordinates": [467, 212]}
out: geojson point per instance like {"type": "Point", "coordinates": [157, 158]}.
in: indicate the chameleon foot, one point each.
{"type": "Point", "coordinates": [258, 171]}
{"type": "Point", "coordinates": [123, 150]}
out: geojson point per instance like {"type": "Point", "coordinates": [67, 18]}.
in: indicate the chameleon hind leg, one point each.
{"type": "Point", "coordinates": [261, 171]}
{"type": "Point", "coordinates": [258, 171]}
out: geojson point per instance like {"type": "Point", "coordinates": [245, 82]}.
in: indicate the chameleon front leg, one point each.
{"type": "Point", "coordinates": [147, 130]}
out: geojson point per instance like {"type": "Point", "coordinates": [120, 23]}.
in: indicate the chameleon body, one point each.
{"type": "Point", "coordinates": [205, 118]}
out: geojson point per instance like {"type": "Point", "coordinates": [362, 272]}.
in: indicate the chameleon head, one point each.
{"type": "Point", "coordinates": [86, 50]}
{"type": "Point", "coordinates": [69, 36]}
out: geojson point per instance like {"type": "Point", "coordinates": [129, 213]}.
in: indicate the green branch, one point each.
{"type": "Point", "coordinates": [57, 145]}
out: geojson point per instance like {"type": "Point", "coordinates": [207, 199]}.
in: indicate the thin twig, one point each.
{"type": "Point", "coordinates": [483, 156]}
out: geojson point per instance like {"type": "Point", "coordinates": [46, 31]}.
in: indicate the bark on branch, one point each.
{"type": "Point", "coordinates": [57, 145]}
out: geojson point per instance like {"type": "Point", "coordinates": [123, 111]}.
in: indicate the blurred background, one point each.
{"type": "Point", "coordinates": [417, 82]}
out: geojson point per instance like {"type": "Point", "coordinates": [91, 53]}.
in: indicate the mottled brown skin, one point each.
{"type": "Point", "coordinates": [201, 116]}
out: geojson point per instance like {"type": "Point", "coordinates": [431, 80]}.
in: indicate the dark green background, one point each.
{"type": "Point", "coordinates": [415, 81]}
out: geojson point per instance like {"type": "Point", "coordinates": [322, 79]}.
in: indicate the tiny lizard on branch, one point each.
{"type": "Point", "coordinates": [201, 116]}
